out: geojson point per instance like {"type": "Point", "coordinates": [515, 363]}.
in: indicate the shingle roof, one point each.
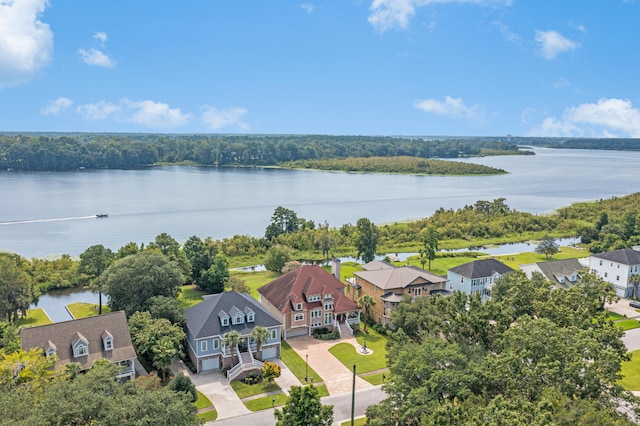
{"type": "Point", "coordinates": [291, 288]}
{"type": "Point", "coordinates": [481, 268]}
{"type": "Point", "coordinates": [62, 335]}
{"type": "Point", "coordinates": [387, 277]}
{"type": "Point", "coordinates": [203, 319]}
{"type": "Point", "coordinates": [624, 256]}
{"type": "Point", "coordinates": [555, 269]}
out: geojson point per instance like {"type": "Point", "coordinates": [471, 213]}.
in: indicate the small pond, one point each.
{"type": "Point", "coordinates": [54, 302]}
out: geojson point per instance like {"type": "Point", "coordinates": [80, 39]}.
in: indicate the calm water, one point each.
{"type": "Point", "coordinates": [45, 213]}
{"type": "Point", "coordinates": [54, 302]}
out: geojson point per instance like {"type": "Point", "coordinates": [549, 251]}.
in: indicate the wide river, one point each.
{"type": "Point", "coordinates": [49, 213]}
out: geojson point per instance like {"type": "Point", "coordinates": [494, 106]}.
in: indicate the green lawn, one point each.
{"type": "Point", "coordinates": [202, 401]}
{"type": "Point", "coordinates": [631, 372]}
{"type": "Point", "coordinates": [296, 363]}
{"type": "Point", "coordinates": [208, 416]}
{"type": "Point", "coordinates": [347, 269]}
{"type": "Point", "coordinates": [515, 260]}
{"type": "Point", "coordinates": [243, 390]}
{"type": "Point", "coordinates": [256, 279]}
{"type": "Point", "coordinates": [376, 378]}
{"type": "Point", "coordinates": [189, 296]}
{"type": "Point", "coordinates": [348, 355]}
{"type": "Point", "coordinates": [36, 316]}
{"type": "Point", "coordinates": [362, 421]}
{"type": "Point", "coordinates": [266, 402]}
{"type": "Point", "coordinates": [627, 324]}
{"type": "Point", "coordinates": [85, 310]}
{"type": "Point", "coordinates": [614, 316]}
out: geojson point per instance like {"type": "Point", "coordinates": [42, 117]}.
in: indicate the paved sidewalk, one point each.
{"type": "Point", "coordinates": [287, 378]}
{"type": "Point", "coordinates": [214, 385]}
{"type": "Point", "coordinates": [337, 377]}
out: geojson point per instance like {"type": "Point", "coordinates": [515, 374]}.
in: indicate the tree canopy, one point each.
{"type": "Point", "coordinates": [366, 239]}
{"type": "Point", "coordinates": [303, 407]}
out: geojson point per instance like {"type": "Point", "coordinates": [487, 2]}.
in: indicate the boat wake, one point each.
{"type": "Point", "coordinates": [59, 219]}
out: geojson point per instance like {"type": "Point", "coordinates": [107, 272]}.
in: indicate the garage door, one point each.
{"type": "Point", "coordinates": [210, 363]}
{"type": "Point", "coordinates": [301, 331]}
{"type": "Point", "coordinates": [271, 352]}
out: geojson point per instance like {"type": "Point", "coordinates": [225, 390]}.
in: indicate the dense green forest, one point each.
{"type": "Point", "coordinates": [618, 144]}
{"type": "Point", "coordinates": [94, 151]}
{"type": "Point", "coordinates": [401, 164]}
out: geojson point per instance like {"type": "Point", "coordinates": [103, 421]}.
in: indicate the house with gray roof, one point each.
{"type": "Point", "coordinates": [562, 273]}
{"type": "Point", "coordinates": [618, 267]}
{"type": "Point", "coordinates": [478, 276]}
{"type": "Point", "coordinates": [388, 285]}
{"type": "Point", "coordinates": [208, 322]}
{"type": "Point", "coordinates": [84, 341]}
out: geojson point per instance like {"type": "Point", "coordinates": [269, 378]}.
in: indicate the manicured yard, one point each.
{"type": "Point", "coordinates": [614, 316]}
{"type": "Point", "coordinates": [515, 260]}
{"type": "Point", "coordinates": [244, 390]}
{"type": "Point", "coordinates": [357, 422]}
{"type": "Point", "coordinates": [631, 372]}
{"type": "Point", "coordinates": [266, 402]}
{"type": "Point", "coordinates": [439, 265]}
{"type": "Point", "coordinates": [36, 316]}
{"type": "Point", "coordinates": [376, 378]}
{"type": "Point", "coordinates": [627, 324]}
{"type": "Point", "coordinates": [189, 296]}
{"type": "Point", "coordinates": [348, 355]}
{"type": "Point", "coordinates": [85, 310]}
{"type": "Point", "coordinates": [256, 279]}
{"type": "Point", "coordinates": [208, 416]}
{"type": "Point", "coordinates": [202, 401]}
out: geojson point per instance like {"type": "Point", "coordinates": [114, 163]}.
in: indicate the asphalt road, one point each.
{"type": "Point", "coordinates": [341, 409]}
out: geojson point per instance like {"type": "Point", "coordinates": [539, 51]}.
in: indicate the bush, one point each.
{"type": "Point", "coordinates": [182, 383]}
{"type": "Point", "coordinates": [323, 333]}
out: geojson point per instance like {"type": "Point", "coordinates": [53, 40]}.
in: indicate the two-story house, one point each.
{"type": "Point", "coordinates": [308, 298]}
{"type": "Point", "coordinates": [388, 285]}
{"type": "Point", "coordinates": [208, 322]}
{"type": "Point", "coordinates": [478, 276]}
{"type": "Point", "coordinates": [84, 341]}
{"type": "Point", "coordinates": [562, 273]}
{"type": "Point", "coordinates": [618, 267]}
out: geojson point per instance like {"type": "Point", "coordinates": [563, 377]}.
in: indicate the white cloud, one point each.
{"type": "Point", "coordinates": [553, 43]}
{"type": "Point", "coordinates": [216, 119]}
{"type": "Point", "coordinates": [97, 58]}
{"type": "Point", "coordinates": [102, 37]}
{"type": "Point", "coordinates": [561, 82]}
{"type": "Point", "coordinates": [99, 110]}
{"type": "Point", "coordinates": [606, 118]}
{"type": "Point", "coordinates": [307, 7]}
{"type": "Point", "coordinates": [155, 114]}
{"type": "Point", "coordinates": [396, 14]}
{"type": "Point", "coordinates": [450, 107]}
{"type": "Point", "coordinates": [507, 34]}
{"type": "Point", "coordinates": [26, 43]}
{"type": "Point", "coordinates": [55, 107]}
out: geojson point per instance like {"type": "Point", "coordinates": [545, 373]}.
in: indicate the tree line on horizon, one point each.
{"type": "Point", "coordinates": [123, 151]}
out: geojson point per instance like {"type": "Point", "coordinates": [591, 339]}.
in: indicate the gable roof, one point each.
{"type": "Point", "coordinates": [203, 319]}
{"type": "Point", "coordinates": [61, 336]}
{"type": "Point", "coordinates": [387, 277]}
{"type": "Point", "coordinates": [481, 268]}
{"type": "Point", "coordinates": [625, 256]}
{"type": "Point", "coordinates": [555, 269]}
{"type": "Point", "coordinates": [293, 287]}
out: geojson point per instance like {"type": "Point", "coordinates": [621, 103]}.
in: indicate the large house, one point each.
{"type": "Point", "coordinates": [308, 298]}
{"type": "Point", "coordinates": [388, 285]}
{"type": "Point", "coordinates": [478, 276]}
{"type": "Point", "coordinates": [618, 267]}
{"type": "Point", "coordinates": [562, 273]}
{"type": "Point", "coordinates": [208, 322]}
{"type": "Point", "coordinates": [84, 341]}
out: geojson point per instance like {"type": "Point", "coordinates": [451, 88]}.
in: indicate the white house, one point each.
{"type": "Point", "coordinates": [617, 267]}
{"type": "Point", "coordinates": [477, 276]}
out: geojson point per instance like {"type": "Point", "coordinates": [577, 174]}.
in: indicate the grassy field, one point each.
{"type": "Point", "coordinates": [202, 401]}
{"type": "Point", "coordinates": [515, 260]}
{"type": "Point", "coordinates": [614, 316]}
{"type": "Point", "coordinates": [85, 310]}
{"type": "Point", "coordinates": [627, 324]}
{"type": "Point", "coordinates": [266, 402]}
{"type": "Point", "coordinates": [34, 317]}
{"type": "Point", "coordinates": [189, 296]}
{"type": "Point", "coordinates": [256, 279]}
{"type": "Point", "coordinates": [348, 355]}
{"type": "Point", "coordinates": [244, 390]}
{"type": "Point", "coordinates": [631, 372]}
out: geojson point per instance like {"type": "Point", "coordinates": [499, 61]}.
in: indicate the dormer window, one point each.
{"type": "Point", "coordinates": [81, 350]}
{"type": "Point", "coordinates": [314, 298]}
{"type": "Point", "coordinates": [80, 345]}
{"type": "Point", "coordinates": [224, 318]}
{"type": "Point", "coordinates": [107, 340]}
{"type": "Point", "coordinates": [238, 319]}
{"type": "Point", "coordinates": [225, 321]}
{"type": "Point", "coordinates": [250, 317]}
{"type": "Point", "coordinates": [50, 349]}
{"type": "Point", "coordinates": [298, 306]}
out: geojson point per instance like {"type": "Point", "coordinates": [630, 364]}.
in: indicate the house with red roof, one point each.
{"type": "Point", "coordinates": [308, 298]}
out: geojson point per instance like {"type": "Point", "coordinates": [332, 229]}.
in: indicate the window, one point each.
{"type": "Point", "coordinates": [328, 318]}
{"type": "Point", "coordinates": [274, 334]}
{"type": "Point", "coordinates": [316, 323]}
{"type": "Point", "coordinates": [203, 346]}
{"type": "Point", "coordinates": [605, 275]}
{"type": "Point", "coordinates": [417, 292]}
{"type": "Point", "coordinates": [299, 307]}
{"type": "Point", "coordinates": [617, 277]}
{"type": "Point", "coordinates": [601, 263]}
{"type": "Point", "coordinates": [216, 344]}
{"type": "Point", "coordinates": [225, 321]}
{"type": "Point", "coordinates": [108, 344]}
{"type": "Point", "coordinates": [298, 317]}
{"type": "Point", "coordinates": [328, 306]}
{"type": "Point", "coordinates": [80, 350]}
{"type": "Point", "coordinates": [250, 317]}
{"type": "Point", "coordinates": [461, 280]}
{"type": "Point", "coordinates": [314, 298]}
{"type": "Point", "coordinates": [238, 319]}
{"type": "Point", "coordinates": [316, 313]}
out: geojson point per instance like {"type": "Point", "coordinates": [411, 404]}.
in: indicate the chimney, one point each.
{"type": "Point", "coordinates": [335, 267]}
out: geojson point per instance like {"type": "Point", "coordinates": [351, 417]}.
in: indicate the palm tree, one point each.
{"type": "Point", "coordinates": [231, 339]}
{"type": "Point", "coordinates": [163, 353]}
{"type": "Point", "coordinates": [260, 334]}
{"type": "Point", "coordinates": [365, 303]}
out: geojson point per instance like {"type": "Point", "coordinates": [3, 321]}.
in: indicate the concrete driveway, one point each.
{"type": "Point", "coordinates": [337, 377]}
{"type": "Point", "coordinates": [622, 307]}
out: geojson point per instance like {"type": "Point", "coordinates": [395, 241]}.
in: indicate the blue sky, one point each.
{"type": "Point", "coordinates": [356, 67]}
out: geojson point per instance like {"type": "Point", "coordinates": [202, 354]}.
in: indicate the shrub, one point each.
{"type": "Point", "coordinates": [270, 371]}
{"type": "Point", "coordinates": [182, 383]}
